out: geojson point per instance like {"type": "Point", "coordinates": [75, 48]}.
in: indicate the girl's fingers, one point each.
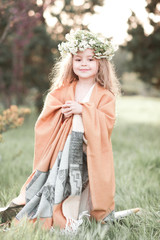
{"type": "Point", "coordinates": [68, 113]}
{"type": "Point", "coordinates": [65, 108]}
{"type": "Point", "coordinates": [66, 105]}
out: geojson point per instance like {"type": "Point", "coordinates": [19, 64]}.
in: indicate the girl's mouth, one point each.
{"type": "Point", "coordinates": [84, 70]}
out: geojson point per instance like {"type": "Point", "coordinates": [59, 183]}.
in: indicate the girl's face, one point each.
{"type": "Point", "coordinates": [84, 65]}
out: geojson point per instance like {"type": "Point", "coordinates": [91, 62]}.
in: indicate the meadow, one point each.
{"type": "Point", "coordinates": [136, 149]}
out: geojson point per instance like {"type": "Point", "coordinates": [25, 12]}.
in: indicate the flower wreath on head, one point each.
{"type": "Point", "coordinates": [80, 40]}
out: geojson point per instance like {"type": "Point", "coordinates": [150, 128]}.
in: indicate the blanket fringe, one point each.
{"type": "Point", "coordinates": [72, 225]}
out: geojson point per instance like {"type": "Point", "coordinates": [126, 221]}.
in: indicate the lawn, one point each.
{"type": "Point", "coordinates": [136, 149]}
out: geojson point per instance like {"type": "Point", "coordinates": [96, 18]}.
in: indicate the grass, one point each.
{"type": "Point", "coordinates": [135, 141]}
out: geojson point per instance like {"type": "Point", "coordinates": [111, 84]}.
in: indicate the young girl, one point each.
{"type": "Point", "coordinates": [73, 170]}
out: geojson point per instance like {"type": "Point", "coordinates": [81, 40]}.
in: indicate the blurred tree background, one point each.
{"type": "Point", "coordinates": [28, 47]}
{"type": "Point", "coordinates": [144, 50]}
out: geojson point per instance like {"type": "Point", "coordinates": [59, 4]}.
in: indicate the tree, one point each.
{"type": "Point", "coordinates": [18, 21]}
{"type": "Point", "coordinates": [145, 49]}
{"type": "Point", "coordinates": [29, 46]}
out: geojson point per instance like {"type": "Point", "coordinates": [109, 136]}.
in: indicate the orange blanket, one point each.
{"type": "Point", "coordinates": [51, 132]}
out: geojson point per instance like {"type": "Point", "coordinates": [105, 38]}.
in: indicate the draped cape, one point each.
{"type": "Point", "coordinates": [51, 132]}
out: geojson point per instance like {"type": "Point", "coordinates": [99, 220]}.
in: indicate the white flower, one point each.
{"type": "Point", "coordinates": [59, 47]}
{"type": "Point", "coordinates": [106, 42]}
{"type": "Point", "coordinates": [73, 50]}
{"type": "Point", "coordinates": [81, 49]}
{"type": "Point", "coordinates": [91, 42]}
{"type": "Point", "coordinates": [70, 45]}
{"type": "Point", "coordinates": [76, 42]}
{"type": "Point", "coordinates": [83, 43]}
{"type": "Point", "coordinates": [98, 57]}
{"type": "Point", "coordinates": [68, 37]}
{"type": "Point", "coordinates": [82, 36]}
{"type": "Point", "coordinates": [98, 54]}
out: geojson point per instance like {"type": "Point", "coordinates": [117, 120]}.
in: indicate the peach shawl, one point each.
{"type": "Point", "coordinates": [51, 132]}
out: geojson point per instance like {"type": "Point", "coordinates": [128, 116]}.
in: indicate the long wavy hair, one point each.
{"type": "Point", "coordinates": [62, 74]}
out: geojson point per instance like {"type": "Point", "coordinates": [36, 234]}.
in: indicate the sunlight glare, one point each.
{"type": "Point", "coordinates": [110, 19]}
{"type": "Point", "coordinates": [50, 20]}
{"type": "Point", "coordinates": [57, 7]}
{"type": "Point", "coordinates": [78, 2]}
{"type": "Point", "coordinates": [39, 2]}
{"type": "Point", "coordinates": [31, 13]}
{"type": "Point", "coordinates": [154, 17]}
{"type": "Point", "coordinates": [114, 15]}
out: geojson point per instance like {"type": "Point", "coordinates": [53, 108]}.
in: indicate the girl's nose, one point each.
{"type": "Point", "coordinates": [84, 62]}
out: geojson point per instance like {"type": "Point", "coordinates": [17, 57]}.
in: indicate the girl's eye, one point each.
{"type": "Point", "coordinates": [77, 60]}
{"type": "Point", "coordinates": [91, 59]}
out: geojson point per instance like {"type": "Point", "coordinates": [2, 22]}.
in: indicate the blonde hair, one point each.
{"type": "Point", "coordinates": [63, 74]}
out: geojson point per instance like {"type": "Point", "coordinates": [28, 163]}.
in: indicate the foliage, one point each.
{"type": "Point", "coordinates": [145, 49]}
{"type": "Point", "coordinates": [28, 46]}
{"type": "Point", "coordinates": [18, 21]}
{"type": "Point", "coordinates": [12, 118]}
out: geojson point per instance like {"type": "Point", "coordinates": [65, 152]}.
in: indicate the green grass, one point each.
{"type": "Point", "coordinates": [136, 149]}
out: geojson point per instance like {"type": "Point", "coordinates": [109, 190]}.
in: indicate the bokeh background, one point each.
{"type": "Point", "coordinates": [30, 31]}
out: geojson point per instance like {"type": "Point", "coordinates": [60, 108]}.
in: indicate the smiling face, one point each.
{"type": "Point", "coordinates": [84, 65]}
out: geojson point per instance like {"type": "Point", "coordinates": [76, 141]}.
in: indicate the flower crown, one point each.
{"type": "Point", "coordinates": [80, 40]}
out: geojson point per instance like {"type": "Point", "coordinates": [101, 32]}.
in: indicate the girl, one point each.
{"type": "Point", "coordinates": [73, 170]}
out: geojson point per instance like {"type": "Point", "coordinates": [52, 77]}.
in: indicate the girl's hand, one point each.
{"type": "Point", "coordinates": [71, 107]}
